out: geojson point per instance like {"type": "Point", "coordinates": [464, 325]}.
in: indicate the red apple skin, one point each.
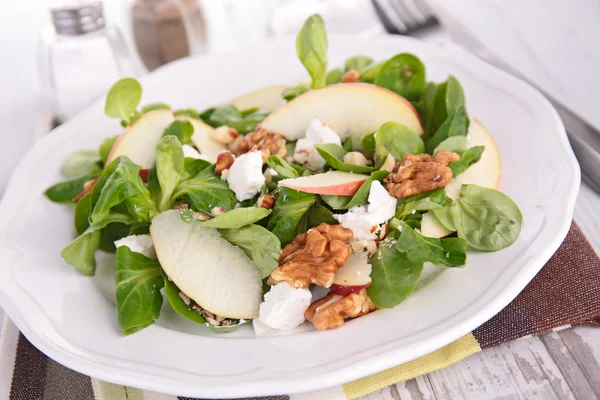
{"type": "Point", "coordinates": [144, 174]}
{"type": "Point", "coordinates": [343, 290]}
{"type": "Point", "coordinates": [348, 189]}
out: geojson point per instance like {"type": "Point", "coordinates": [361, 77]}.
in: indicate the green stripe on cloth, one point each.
{"type": "Point", "coordinates": [442, 358]}
{"type": "Point", "coordinates": [108, 391]}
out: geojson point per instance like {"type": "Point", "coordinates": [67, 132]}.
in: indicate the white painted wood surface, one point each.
{"type": "Point", "coordinates": [561, 58]}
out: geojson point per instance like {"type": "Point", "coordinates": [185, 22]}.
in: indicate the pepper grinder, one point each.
{"type": "Point", "coordinates": [166, 30]}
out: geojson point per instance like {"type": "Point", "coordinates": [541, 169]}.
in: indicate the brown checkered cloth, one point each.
{"type": "Point", "coordinates": [565, 293]}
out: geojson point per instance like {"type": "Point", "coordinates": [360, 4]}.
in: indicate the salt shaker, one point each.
{"type": "Point", "coordinates": [80, 58]}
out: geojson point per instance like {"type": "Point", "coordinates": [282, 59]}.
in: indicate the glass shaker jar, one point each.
{"type": "Point", "coordinates": [167, 30]}
{"type": "Point", "coordinates": [80, 58]}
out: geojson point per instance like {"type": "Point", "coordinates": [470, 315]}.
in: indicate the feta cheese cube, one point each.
{"type": "Point", "coordinates": [382, 206]}
{"type": "Point", "coordinates": [138, 244]}
{"type": "Point", "coordinates": [364, 220]}
{"type": "Point", "coordinates": [284, 306]}
{"type": "Point", "coordinates": [245, 175]}
{"type": "Point", "coordinates": [317, 133]}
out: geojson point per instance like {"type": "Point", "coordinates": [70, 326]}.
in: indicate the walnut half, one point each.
{"type": "Point", "coordinates": [269, 143]}
{"type": "Point", "coordinates": [313, 257]}
{"type": "Point", "coordinates": [331, 311]}
{"type": "Point", "coordinates": [419, 173]}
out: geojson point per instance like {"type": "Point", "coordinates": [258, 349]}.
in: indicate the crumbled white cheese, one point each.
{"type": "Point", "coordinates": [317, 133]}
{"type": "Point", "coordinates": [284, 306]}
{"type": "Point", "coordinates": [224, 174]}
{"type": "Point", "coordinates": [361, 223]}
{"type": "Point", "coordinates": [191, 152]}
{"type": "Point", "coordinates": [260, 327]}
{"type": "Point", "coordinates": [138, 244]}
{"type": "Point", "coordinates": [382, 206]}
{"type": "Point", "coordinates": [245, 175]}
{"type": "Point", "coordinates": [364, 220]}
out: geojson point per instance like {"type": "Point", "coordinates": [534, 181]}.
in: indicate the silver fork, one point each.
{"type": "Point", "coordinates": [403, 16]}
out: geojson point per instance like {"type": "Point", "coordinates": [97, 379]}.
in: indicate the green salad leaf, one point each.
{"type": "Point", "coordinates": [361, 196]}
{"type": "Point", "coordinates": [187, 112]}
{"type": "Point", "coordinates": [106, 147]}
{"type": "Point", "coordinates": [403, 74]}
{"type": "Point", "coordinates": [368, 143]}
{"type": "Point", "coordinates": [154, 106]}
{"type": "Point", "coordinates": [394, 276]}
{"type": "Point", "coordinates": [311, 46]}
{"type": "Point", "coordinates": [181, 129]}
{"type": "Point", "coordinates": [65, 191]}
{"type": "Point", "coordinates": [178, 304]}
{"type": "Point", "coordinates": [290, 206]}
{"type": "Point", "coordinates": [80, 252]}
{"type": "Point", "coordinates": [283, 168]}
{"type": "Point", "coordinates": [369, 74]}
{"type": "Point", "coordinates": [80, 163]}
{"type": "Point", "coordinates": [357, 63]}
{"type": "Point", "coordinates": [456, 144]}
{"type": "Point", "coordinates": [426, 108]}
{"type": "Point", "coordinates": [192, 167]}
{"type": "Point", "coordinates": [83, 209]}
{"type": "Point", "coordinates": [229, 115]}
{"type": "Point", "coordinates": [292, 92]}
{"type": "Point", "coordinates": [332, 153]}
{"type": "Point", "coordinates": [235, 218]}
{"type": "Point", "coordinates": [122, 185]}
{"type": "Point", "coordinates": [457, 124]}
{"type": "Point", "coordinates": [398, 140]}
{"type": "Point", "coordinates": [420, 202]}
{"type": "Point", "coordinates": [139, 280]}
{"type": "Point", "coordinates": [123, 98]}
{"type": "Point", "coordinates": [451, 252]}
{"type": "Point", "coordinates": [467, 158]}
{"type": "Point", "coordinates": [260, 245]}
{"type": "Point", "coordinates": [449, 97]}
{"type": "Point", "coordinates": [169, 168]}
{"type": "Point", "coordinates": [206, 191]}
{"type": "Point", "coordinates": [488, 219]}
{"type": "Point", "coordinates": [334, 76]}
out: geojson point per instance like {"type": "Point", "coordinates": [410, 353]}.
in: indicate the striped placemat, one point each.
{"type": "Point", "coordinates": [564, 294]}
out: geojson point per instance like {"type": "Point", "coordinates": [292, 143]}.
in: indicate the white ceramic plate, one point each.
{"type": "Point", "coordinates": [72, 319]}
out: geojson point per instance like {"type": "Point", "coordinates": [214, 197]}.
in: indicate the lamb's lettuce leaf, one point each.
{"type": "Point", "coordinates": [259, 244]}
{"type": "Point", "coordinates": [139, 280]}
{"type": "Point", "coordinates": [290, 206]}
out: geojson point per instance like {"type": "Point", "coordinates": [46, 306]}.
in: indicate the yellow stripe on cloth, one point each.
{"type": "Point", "coordinates": [109, 391]}
{"type": "Point", "coordinates": [442, 358]}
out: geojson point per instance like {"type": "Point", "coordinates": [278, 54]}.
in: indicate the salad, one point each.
{"type": "Point", "coordinates": [359, 182]}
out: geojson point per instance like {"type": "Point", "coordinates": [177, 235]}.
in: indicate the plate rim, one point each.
{"type": "Point", "coordinates": [365, 367]}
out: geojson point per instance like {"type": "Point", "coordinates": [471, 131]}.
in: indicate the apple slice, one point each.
{"type": "Point", "coordinates": [267, 98]}
{"type": "Point", "coordinates": [431, 227]}
{"type": "Point", "coordinates": [202, 139]}
{"type": "Point", "coordinates": [332, 182]}
{"type": "Point", "coordinates": [486, 173]}
{"type": "Point", "coordinates": [350, 109]}
{"type": "Point", "coordinates": [139, 140]}
{"type": "Point", "coordinates": [353, 276]}
{"type": "Point", "coordinates": [207, 268]}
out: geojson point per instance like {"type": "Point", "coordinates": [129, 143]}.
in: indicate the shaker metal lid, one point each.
{"type": "Point", "coordinates": [78, 19]}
